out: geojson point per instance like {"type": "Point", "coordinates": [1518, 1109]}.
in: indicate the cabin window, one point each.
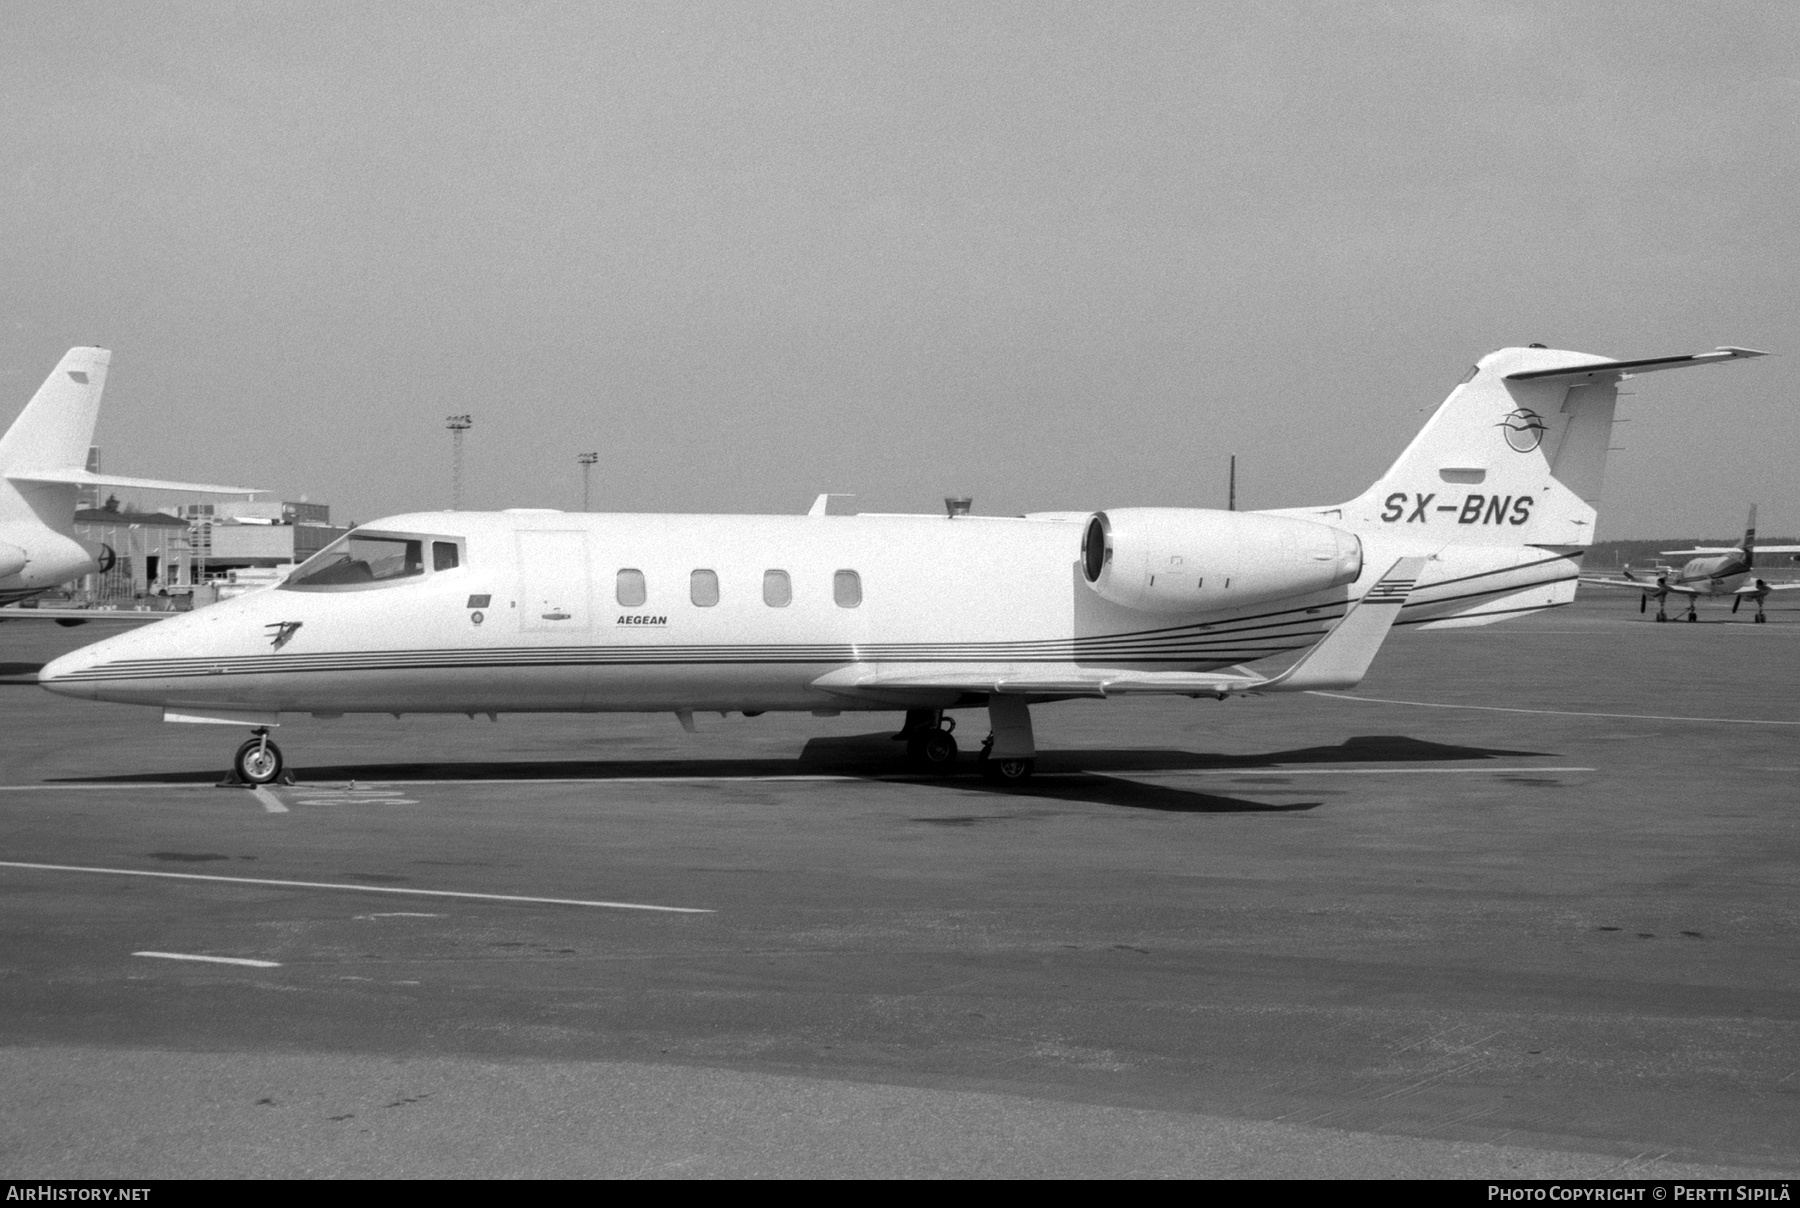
{"type": "Point", "coordinates": [778, 589]}
{"type": "Point", "coordinates": [631, 589]}
{"type": "Point", "coordinates": [846, 588]}
{"type": "Point", "coordinates": [703, 588]}
{"type": "Point", "coordinates": [443, 555]}
{"type": "Point", "coordinates": [361, 560]}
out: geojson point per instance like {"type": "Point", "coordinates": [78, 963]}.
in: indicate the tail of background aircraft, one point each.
{"type": "Point", "coordinates": [56, 428]}
{"type": "Point", "coordinates": [52, 435]}
{"type": "Point", "coordinates": [44, 454]}
{"type": "Point", "coordinates": [1750, 540]}
{"type": "Point", "coordinates": [1516, 455]}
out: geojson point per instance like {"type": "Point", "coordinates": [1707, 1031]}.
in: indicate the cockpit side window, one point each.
{"type": "Point", "coordinates": [363, 560]}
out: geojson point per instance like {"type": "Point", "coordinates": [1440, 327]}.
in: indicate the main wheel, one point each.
{"type": "Point", "coordinates": [257, 762]}
{"type": "Point", "coordinates": [1007, 771]}
{"type": "Point", "coordinates": [1692, 617]}
{"type": "Point", "coordinates": [935, 751]}
{"type": "Point", "coordinates": [1760, 619]}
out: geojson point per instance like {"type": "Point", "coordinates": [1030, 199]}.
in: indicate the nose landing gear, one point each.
{"type": "Point", "coordinates": [257, 762]}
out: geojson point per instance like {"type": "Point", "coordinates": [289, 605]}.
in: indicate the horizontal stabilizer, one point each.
{"type": "Point", "coordinates": [85, 478]}
{"type": "Point", "coordinates": [1615, 370]}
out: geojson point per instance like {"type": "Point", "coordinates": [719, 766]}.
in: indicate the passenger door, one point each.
{"type": "Point", "coordinates": [553, 582]}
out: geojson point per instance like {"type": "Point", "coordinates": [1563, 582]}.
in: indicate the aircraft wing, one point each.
{"type": "Point", "coordinates": [1750, 589]}
{"type": "Point", "coordinates": [1644, 585]}
{"type": "Point", "coordinates": [82, 478]}
{"type": "Point", "coordinates": [81, 616]}
{"type": "Point", "coordinates": [1731, 549]}
{"type": "Point", "coordinates": [1339, 661]}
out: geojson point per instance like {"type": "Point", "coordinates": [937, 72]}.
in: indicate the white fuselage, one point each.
{"type": "Point", "coordinates": [530, 617]}
{"type": "Point", "coordinates": [1717, 576]}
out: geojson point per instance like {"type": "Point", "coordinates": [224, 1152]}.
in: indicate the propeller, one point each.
{"type": "Point", "coordinates": [1644, 603]}
{"type": "Point", "coordinates": [1735, 601]}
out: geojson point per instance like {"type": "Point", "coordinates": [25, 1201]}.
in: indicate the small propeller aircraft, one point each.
{"type": "Point", "coordinates": [1485, 516]}
{"type": "Point", "coordinates": [1715, 572]}
{"type": "Point", "coordinates": [43, 459]}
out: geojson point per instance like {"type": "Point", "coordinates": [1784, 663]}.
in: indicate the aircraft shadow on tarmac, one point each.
{"type": "Point", "coordinates": [1097, 776]}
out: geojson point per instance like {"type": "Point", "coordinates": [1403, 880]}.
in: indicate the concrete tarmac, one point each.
{"type": "Point", "coordinates": [1521, 905]}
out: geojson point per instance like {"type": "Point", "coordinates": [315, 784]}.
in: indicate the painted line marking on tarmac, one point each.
{"type": "Point", "coordinates": [1426, 704]}
{"type": "Point", "coordinates": [215, 960]}
{"type": "Point", "coordinates": [309, 790]}
{"type": "Point", "coordinates": [425, 893]}
{"type": "Point", "coordinates": [1334, 771]}
{"type": "Point", "coordinates": [270, 801]}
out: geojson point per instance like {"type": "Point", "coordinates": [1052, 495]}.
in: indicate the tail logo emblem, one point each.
{"type": "Point", "coordinates": [1525, 429]}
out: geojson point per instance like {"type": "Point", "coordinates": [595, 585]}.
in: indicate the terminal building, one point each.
{"type": "Point", "coordinates": [172, 551]}
{"type": "Point", "coordinates": [261, 534]}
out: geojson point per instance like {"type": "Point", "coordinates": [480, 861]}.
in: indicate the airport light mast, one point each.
{"type": "Point", "coordinates": [587, 461]}
{"type": "Point", "coordinates": [458, 424]}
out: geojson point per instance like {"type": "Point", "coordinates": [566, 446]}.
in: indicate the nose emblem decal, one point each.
{"type": "Point", "coordinates": [280, 632]}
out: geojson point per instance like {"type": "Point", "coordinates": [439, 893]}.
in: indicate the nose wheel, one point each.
{"type": "Point", "coordinates": [258, 761]}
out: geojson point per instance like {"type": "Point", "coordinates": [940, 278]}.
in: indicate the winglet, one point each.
{"type": "Point", "coordinates": [1343, 658]}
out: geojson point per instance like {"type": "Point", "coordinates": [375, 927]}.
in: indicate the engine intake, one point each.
{"type": "Point", "coordinates": [1186, 560]}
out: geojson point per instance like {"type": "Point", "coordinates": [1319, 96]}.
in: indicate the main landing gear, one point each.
{"type": "Point", "coordinates": [1759, 618]}
{"type": "Point", "coordinates": [927, 734]}
{"type": "Point", "coordinates": [258, 761]}
{"type": "Point", "coordinates": [1007, 757]}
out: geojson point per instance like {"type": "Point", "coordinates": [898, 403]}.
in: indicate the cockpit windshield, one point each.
{"type": "Point", "coordinates": [363, 559]}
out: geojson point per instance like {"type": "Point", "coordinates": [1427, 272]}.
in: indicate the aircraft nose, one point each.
{"type": "Point", "coordinates": [64, 676]}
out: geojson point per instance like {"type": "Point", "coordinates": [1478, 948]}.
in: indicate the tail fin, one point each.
{"type": "Point", "coordinates": [1515, 456]}
{"type": "Point", "coordinates": [56, 427]}
{"type": "Point", "coordinates": [1750, 540]}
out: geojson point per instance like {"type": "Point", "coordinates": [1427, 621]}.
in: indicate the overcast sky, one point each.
{"type": "Point", "coordinates": [1051, 256]}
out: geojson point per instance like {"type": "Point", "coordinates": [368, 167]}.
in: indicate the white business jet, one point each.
{"type": "Point", "coordinates": [43, 459]}
{"type": "Point", "coordinates": [1485, 515]}
{"type": "Point", "coordinates": [1713, 571]}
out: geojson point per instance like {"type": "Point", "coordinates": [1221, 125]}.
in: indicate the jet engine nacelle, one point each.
{"type": "Point", "coordinates": [12, 560]}
{"type": "Point", "coordinates": [1185, 560]}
